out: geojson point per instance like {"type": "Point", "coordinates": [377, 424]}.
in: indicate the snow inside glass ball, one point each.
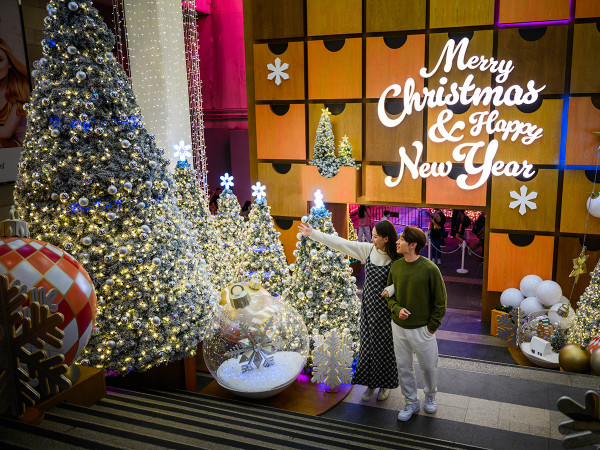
{"type": "Point", "coordinates": [257, 346]}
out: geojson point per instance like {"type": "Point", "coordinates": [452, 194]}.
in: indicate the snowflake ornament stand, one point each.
{"type": "Point", "coordinates": [332, 359]}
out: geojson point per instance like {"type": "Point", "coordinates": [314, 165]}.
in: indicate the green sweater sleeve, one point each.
{"type": "Point", "coordinates": [438, 312]}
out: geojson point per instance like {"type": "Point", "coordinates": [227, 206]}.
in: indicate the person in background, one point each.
{"type": "Point", "coordinates": [436, 234]}
{"type": "Point", "coordinates": [479, 231]}
{"type": "Point", "coordinates": [364, 223]}
{"type": "Point", "coordinates": [376, 367]}
{"type": "Point", "coordinates": [386, 215]}
{"type": "Point", "coordinates": [214, 200]}
{"type": "Point", "coordinates": [417, 300]}
{"type": "Point", "coordinates": [246, 209]}
{"type": "Point", "coordinates": [14, 93]}
{"type": "Point", "coordinates": [460, 222]}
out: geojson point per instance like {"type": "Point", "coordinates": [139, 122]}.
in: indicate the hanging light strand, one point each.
{"type": "Point", "coordinates": [120, 31]}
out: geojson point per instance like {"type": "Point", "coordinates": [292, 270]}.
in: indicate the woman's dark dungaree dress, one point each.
{"type": "Point", "coordinates": [376, 366]}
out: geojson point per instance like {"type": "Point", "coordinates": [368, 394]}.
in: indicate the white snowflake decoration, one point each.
{"type": "Point", "coordinates": [226, 180]}
{"type": "Point", "coordinates": [256, 348]}
{"type": "Point", "coordinates": [277, 71]}
{"type": "Point", "coordinates": [182, 151]}
{"type": "Point", "coordinates": [258, 190]}
{"type": "Point", "coordinates": [523, 200]}
{"type": "Point", "coordinates": [318, 198]}
{"type": "Point", "coordinates": [332, 359]}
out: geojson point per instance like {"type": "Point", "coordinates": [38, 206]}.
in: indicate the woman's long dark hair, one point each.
{"type": "Point", "coordinates": [361, 211]}
{"type": "Point", "coordinates": [385, 229]}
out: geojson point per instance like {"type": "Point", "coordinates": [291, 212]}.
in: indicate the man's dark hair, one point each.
{"type": "Point", "coordinates": [415, 235]}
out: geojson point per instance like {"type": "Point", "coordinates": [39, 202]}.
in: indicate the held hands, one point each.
{"type": "Point", "coordinates": [385, 293]}
{"type": "Point", "coordinates": [403, 314]}
{"type": "Point", "coordinates": [305, 230]}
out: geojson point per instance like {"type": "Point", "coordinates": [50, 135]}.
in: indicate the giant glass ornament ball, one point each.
{"type": "Point", "coordinates": [257, 346]}
{"type": "Point", "coordinates": [529, 285]}
{"type": "Point", "coordinates": [530, 305]}
{"type": "Point", "coordinates": [511, 297]}
{"type": "Point", "coordinates": [37, 264]}
{"type": "Point", "coordinates": [548, 292]}
{"type": "Point", "coordinates": [562, 314]}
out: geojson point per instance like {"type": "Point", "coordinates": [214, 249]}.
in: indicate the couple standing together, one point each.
{"type": "Point", "coordinates": [416, 300]}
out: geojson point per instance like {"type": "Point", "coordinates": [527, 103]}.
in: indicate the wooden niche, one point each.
{"type": "Point", "coordinates": [274, 19]}
{"type": "Point", "coordinates": [543, 218]}
{"type": "Point", "coordinates": [280, 132]}
{"type": "Point", "coordinates": [584, 118]}
{"type": "Point", "coordinates": [291, 53]}
{"type": "Point", "coordinates": [587, 8]}
{"type": "Point", "coordinates": [288, 229]}
{"type": "Point", "coordinates": [375, 189]}
{"type": "Point", "coordinates": [519, 11]}
{"type": "Point", "coordinates": [586, 59]}
{"type": "Point", "coordinates": [513, 256]}
{"type": "Point", "coordinates": [346, 120]}
{"type": "Point", "coordinates": [392, 15]}
{"type": "Point", "coordinates": [577, 188]}
{"type": "Point", "coordinates": [326, 61]}
{"type": "Point", "coordinates": [333, 17]}
{"type": "Point", "coordinates": [569, 248]}
{"type": "Point", "coordinates": [445, 191]}
{"type": "Point", "coordinates": [538, 54]}
{"type": "Point", "coordinates": [285, 184]}
{"type": "Point", "coordinates": [461, 13]}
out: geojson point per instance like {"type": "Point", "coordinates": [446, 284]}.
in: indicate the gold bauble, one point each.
{"type": "Point", "coordinates": [595, 362]}
{"type": "Point", "coordinates": [572, 358]}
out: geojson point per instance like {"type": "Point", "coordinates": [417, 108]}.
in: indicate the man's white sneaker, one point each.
{"type": "Point", "coordinates": [368, 394]}
{"type": "Point", "coordinates": [383, 394]}
{"type": "Point", "coordinates": [408, 410]}
{"type": "Point", "coordinates": [430, 406]}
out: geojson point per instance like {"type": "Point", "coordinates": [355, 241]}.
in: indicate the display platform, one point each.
{"type": "Point", "coordinates": [302, 396]}
{"type": "Point", "coordinates": [519, 357]}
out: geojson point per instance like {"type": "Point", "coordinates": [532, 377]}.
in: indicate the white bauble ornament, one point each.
{"type": "Point", "coordinates": [529, 284]}
{"type": "Point", "coordinates": [557, 316]}
{"type": "Point", "coordinates": [530, 305]}
{"type": "Point", "coordinates": [511, 297]}
{"type": "Point", "coordinates": [548, 292]}
{"type": "Point", "coordinates": [593, 205]}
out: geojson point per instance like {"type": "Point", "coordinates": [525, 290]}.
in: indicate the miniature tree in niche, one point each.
{"type": "Point", "coordinates": [324, 150]}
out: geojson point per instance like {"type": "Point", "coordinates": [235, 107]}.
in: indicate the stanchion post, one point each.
{"type": "Point", "coordinates": [462, 259]}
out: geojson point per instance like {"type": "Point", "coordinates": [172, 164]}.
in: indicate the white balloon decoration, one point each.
{"type": "Point", "coordinates": [593, 205]}
{"type": "Point", "coordinates": [548, 293]}
{"type": "Point", "coordinates": [531, 305]}
{"type": "Point", "coordinates": [529, 285]}
{"type": "Point", "coordinates": [511, 297]}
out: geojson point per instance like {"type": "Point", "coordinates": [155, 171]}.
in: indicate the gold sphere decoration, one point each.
{"type": "Point", "coordinates": [572, 358]}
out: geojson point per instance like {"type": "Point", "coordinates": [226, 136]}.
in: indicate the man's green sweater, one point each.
{"type": "Point", "coordinates": [418, 287]}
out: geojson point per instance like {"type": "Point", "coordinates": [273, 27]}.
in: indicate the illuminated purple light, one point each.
{"type": "Point", "coordinates": [535, 24]}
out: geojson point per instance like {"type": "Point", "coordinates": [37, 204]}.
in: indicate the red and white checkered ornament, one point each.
{"type": "Point", "coordinates": [37, 264]}
{"type": "Point", "coordinates": [594, 345]}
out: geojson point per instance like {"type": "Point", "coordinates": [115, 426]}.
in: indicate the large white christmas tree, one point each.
{"type": "Point", "coordinates": [322, 288]}
{"type": "Point", "coordinates": [193, 204]}
{"type": "Point", "coordinates": [92, 181]}
{"type": "Point", "coordinates": [263, 252]}
{"type": "Point", "coordinates": [324, 157]}
{"type": "Point", "coordinates": [586, 324]}
{"type": "Point", "coordinates": [232, 229]}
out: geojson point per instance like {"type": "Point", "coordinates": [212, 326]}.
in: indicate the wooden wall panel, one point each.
{"type": "Point", "coordinates": [280, 137]}
{"type": "Point", "coordinates": [586, 59]}
{"type": "Point", "coordinates": [542, 60]}
{"type": "Point", "coordinates": [347, 123]}
{"type": "Point", "coordinates": [576, 190]}
{"type": "Point", "coordinates": [387, 66]}
{"type": "Point", "coordinates": [442, 151]}
{"type": "Point", "coordinates": [288, 239]}
{"type": "Point", "coordinates": [460, 13]}
{"type": "Point", "coordinates": [285, 190]}
{"type": "Point", "coordinates": [519, 11]}
{"type": "Point", "coordinates": [290, 89]}
{"type": "Point", "coordinates": [509, 263]}
{"type": "Point", "coordinates": [274, 19]}
{"type": "Point", "coordinates": [342, 188]}
{"type": "Point", "coordinates": [392, 15]}
{"type": "Point", "coordinates": [444, 191]}
{"type": "Point", "coordinates": [545, 150]}
{"type": "Point", "coordinates": [582, 144]}
{"type": "Point", "coordinates": [543, 218]}
{"type": "Point", "coordinates": [333, 17]}
{"type": "Point", "coordinates": [408, 191]}
{"type": "Point", "coordinates": [382, 143]}
{"type": "Point", "coordinates": [325, 69]}
{"type": "Point", "coordinates": [587, 8]}
{"type": "Point", "coordinates": [569, 249]}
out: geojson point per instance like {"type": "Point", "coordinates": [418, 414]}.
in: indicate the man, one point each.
{"type": "Point", "coordinates": [417, 299]}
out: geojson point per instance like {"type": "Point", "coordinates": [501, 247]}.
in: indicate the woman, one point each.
{"type": "Point", "coordinates": [246, 210]}
{"type": "Point", "coordinates": [364, 224]}
{"type": "Point", "coordinates": [14, 92]}
{"type": "Point", "coordinates": [436, 234]}
{"type": "Point", "coordinates": [376, 366]}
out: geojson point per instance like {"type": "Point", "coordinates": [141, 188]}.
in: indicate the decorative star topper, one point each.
{"type": "Point", "coordinates": [318, 198]}
{"type": "Point", "coordinates": [182, 150]}
{"type": "Point", "coordinates": [326, 111]}
{"type": "Point", "coordinates": [579, 265]}
{"type": "Point", "coordinates": [258, 190]}
{"type": "Point", "coordinates": [226, 180]}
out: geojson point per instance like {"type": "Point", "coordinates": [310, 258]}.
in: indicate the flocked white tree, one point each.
{"type": "Point", "coordinates": [263, 252]}
{"type": "Point", "coordinates": [324, 157]}
{"type": "Point", "coordinates": [322, 287]}
{"type": "Point", "coordinates": [92, 181]}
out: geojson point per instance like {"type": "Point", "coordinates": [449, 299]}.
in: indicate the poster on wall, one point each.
{"type": "Point", "coordinates": [14, 88]}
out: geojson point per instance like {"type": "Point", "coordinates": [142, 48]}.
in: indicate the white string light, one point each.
{"type": "Point", "coordinates": [318, 198]}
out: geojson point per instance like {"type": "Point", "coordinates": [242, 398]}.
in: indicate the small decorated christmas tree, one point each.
{"type": "Point", "coordinates": [324, 150]}
{"type": "Point", "coordinates": [322, 288]}
{"type": "Point", "coordinates": [586, 324]}
{"type": "Point", "coordinates": [345, 154]}
{"type": "Point", "coordinates": [264, 253]}
{"type": "Point", "coordinates": [209, 249]}
{"type": "Point", "coordinates": [232, 229]}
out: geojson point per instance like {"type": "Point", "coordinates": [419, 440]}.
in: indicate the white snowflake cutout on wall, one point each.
{"type": "Point", "coordinates": [523, 200]}
{"type": "Point", "coordinates": [277, 71]}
